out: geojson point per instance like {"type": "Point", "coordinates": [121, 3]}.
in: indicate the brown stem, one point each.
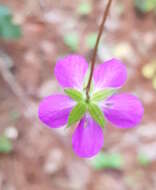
{"type": "Point", "coordinates": [96, 47]}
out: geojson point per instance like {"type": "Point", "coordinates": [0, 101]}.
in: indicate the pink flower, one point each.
{"type": "Point", "coordinates": [122, 110]}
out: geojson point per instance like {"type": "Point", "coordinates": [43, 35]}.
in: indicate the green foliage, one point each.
{"type": "Point", "coordinates": [145, 6]}
{"type": "Point", "coordinates": [5, 145]}
{"type": "Point", "coordinates": [8, 29]}
{"type": "Point", "coordinates": [143, 159]}
{"type": "Point", "coordinates": [5, 12]}
{"type": "Point", "coordinates": [106, 160]}
{"type": "Point", "coordinates": [77, 113]}
{"type": "Point", "coordinates": [103, 94]}
{"type": "Point", "coordinates": [72, 41]}
{"type": "Point", "coordinates": [74, 94]}
{"type": "Point", "coordinates": [91, 40]}
{"type": "Point", "coordinates": [84, 8]}
{"type": "Point", "coordinates": [96, 114]}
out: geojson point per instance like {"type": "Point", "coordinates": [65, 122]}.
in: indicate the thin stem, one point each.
{"type": "Point", "coordinates": [96, 47]}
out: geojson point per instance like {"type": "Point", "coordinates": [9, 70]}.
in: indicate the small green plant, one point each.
{"type": "Point", "coordinates": [84, 8]}
{"type": "Point", "coordinates": [8, 29]}
{"type": "Point", "coordinates": [71, 40]}
{"type": "Point", "coordinates": [107, 160]}
{"type": "Point", "coordinates": [5, 145]}
{"type": "Point", "coordinates": [145, 6]}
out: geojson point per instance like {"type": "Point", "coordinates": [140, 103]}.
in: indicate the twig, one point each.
{"type": "Point", "coordinates": [11, 81]}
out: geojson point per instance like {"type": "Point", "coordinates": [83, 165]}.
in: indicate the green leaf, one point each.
{"type": "Point", "coordinates": [8, 29]}
{"type": "Point", "coordinates": [84, 8]}
{"type": "Point", "coordinates": [77, 113]}
{"type": "Point", "coordinates": [106, 160]}
{"type": "Point", "coordinates": [74, 94]}
{"type": "Point", "coordinates": [5, 145]}
{"type": "Point", "coordinates": [4, 11]}
{"type": "Point", "coordinates": [145, 6]}
{"type": "Point", "coordinates": [96, 114]}
{"type": "Point", "coordinates": [103, 94]}
{"type": "Point", "coordinates": [91, 40]}
{"type": "Point", "coordinates": [71, 40]}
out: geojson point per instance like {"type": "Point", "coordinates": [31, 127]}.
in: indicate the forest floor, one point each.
{"type": "Point", "coordinates": [43, 158]}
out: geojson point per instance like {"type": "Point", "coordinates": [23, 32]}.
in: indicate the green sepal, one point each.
{"type": "Point", "coordinates": [96, 114]}
{"type": "Point", "coordinates": [103, 94]}
{"type": "Point", "coordinates": [74, 94]}
{"type": "Point", "coordinates": [77, 113]}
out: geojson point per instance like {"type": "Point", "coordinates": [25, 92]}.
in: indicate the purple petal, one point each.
{"type": "Point", "coordinates": [111, 73]}
{"type": "Point", "coordinates": [54, 110]}
{"type": "Point", "coordinates": [123, 110]}
{"type": "Point", "coordinates": [88, 138]}
{"type": "Point", "coordinates": [70, 71]}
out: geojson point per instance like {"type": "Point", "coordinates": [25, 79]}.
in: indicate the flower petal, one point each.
{"type": "Point", "coordinates": [111, 73]}
{"type": "Point", "coordinates": [70, 71]}
{"type": "Point", "coordinates": [54, 110]}
{"type": "Point", "coordinates": [88, 138]}
{"type": "Point", "coordinates": [123, 110]}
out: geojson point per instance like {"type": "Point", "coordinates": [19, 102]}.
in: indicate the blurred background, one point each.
{"type": "Point", "coordinates": [33, 35]}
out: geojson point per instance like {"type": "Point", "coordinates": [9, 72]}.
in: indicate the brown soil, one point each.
{"type": "Point", "coordinates": [34, 57]}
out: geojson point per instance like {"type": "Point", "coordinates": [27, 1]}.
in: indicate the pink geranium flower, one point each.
{"type": "Point", "coordinates": [122, 110]}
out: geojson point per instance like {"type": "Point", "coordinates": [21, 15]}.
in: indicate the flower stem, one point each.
{"type": "Point", "coordinates": [96, 47]}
